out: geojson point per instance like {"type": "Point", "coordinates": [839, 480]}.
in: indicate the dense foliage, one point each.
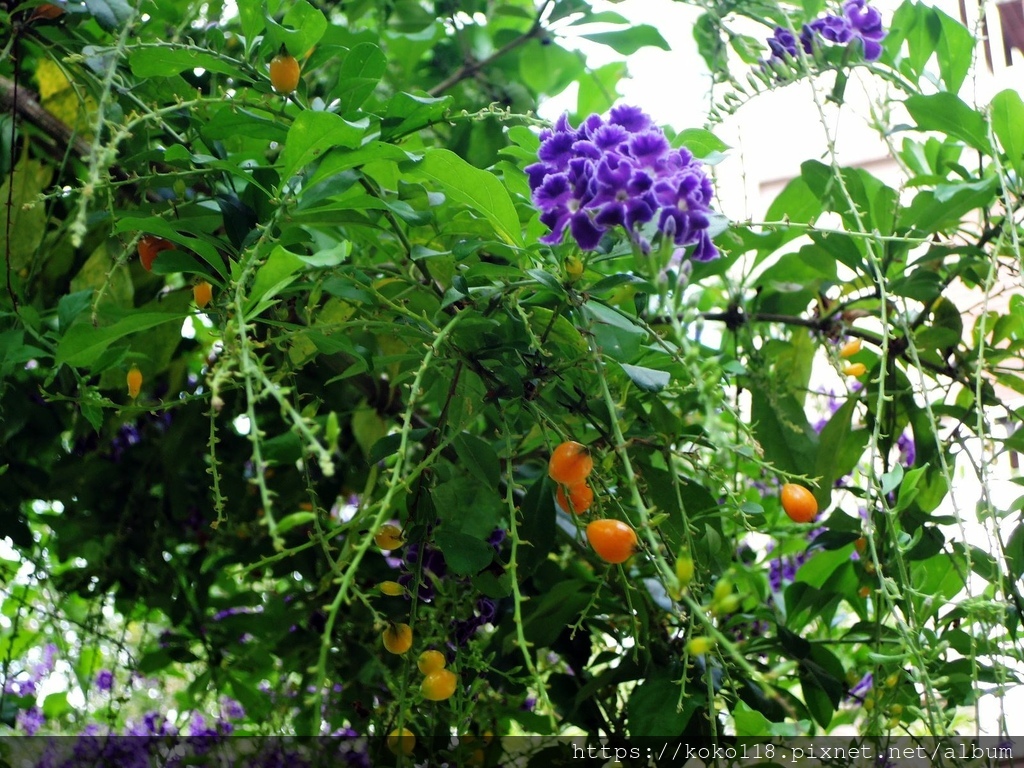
{"type": "Point", "coordinates": [248, 325]}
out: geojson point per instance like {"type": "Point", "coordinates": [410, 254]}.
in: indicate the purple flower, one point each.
{"type": "Point", "coordinates": [232, 709]}
{"type": "Point", "coordinates": [858, 22]}
{"type": "Point", "coordinates": [866, 24]}
{"type": "Point", "coordinates": [104, 680]}
{"type": "Point", "coordinates": [907, 448]}
{"type": "Point", "coordinates": [863, 687]}
{"type": "Point", "coordinates": [783, 43]}
{"type": "Point", "coordinates": [30, 720]}
{"type": "Point", "coordinates": [620, 173]}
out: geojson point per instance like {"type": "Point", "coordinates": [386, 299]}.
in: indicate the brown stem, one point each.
{"type": "Point", "coordinates": [472, 66]}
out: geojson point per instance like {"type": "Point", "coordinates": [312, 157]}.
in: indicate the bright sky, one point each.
{"type": "Point", "coordinates": [669, 85]}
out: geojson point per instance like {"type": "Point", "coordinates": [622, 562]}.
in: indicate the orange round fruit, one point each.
{"type": "Point", "coordinates": [150, 247]}
{"type": "Point", "coordinates": [850, 348]}
{"type": "Point", "coordinates": [403, 742]}
{"type": "Point", "coordinates": [799, 503]}
{"type": "Point", "coordinates": [397, 638]}
{"type": "Point", "coordinates": [439, 685]}
{"type": "Point", "coordinates": [612, 540]}
{"type": "Point", "coordinates": [202, 292]}
{"type": "Point", "coordinates": [856, 369]}
{"type": "Point", "coordinates": [570, 463]}
{"type": "Point", "coordinates": [431, 661]}
{"type": "Point", "coordinates": [284, 73]}
{"type": "Point", "coordinates": [134, 380]}
{"type": "Point", "coordinates": [388, 537]}
{"type": "Point", "coordinates": [580, 496]}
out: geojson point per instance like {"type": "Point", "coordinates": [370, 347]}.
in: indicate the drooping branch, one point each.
{"type": "Point", "coordinates": [471, 66]}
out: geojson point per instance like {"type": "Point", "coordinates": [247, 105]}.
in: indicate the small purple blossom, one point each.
{"type": "Point", "coordinates": [620, 173]}
{"type": "Point", "coordinates": [30, 720]}
{"type": "Point", "coordinates": [231, 709]}
{"type": "Point", "coordinates": [862, 687]}
{"type": "Point", "coordinates": [907, 449]}
{"type": "Point", "coordinates": [104, 680]}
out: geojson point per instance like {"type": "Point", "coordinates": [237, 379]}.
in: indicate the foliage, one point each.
{"type": "Point", "coordinates": [391, 342]}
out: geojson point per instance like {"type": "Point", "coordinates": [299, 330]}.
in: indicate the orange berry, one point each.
{"type": "Point", "coordinates": [284, 73]}
{"type": "Point", "coordinates": [580, 496]}
{"type": "Point", "coordinates": [570, 463]}
{"type": "Point", "coordinates": [856, 369]}
{"type": "Point", "coordinates": [850, 348]}
{"type": "Point", "coordinates": [397, 638]}
{"type": "Point", "coordinates": [798, 503]}
{"type": "Point", "coordinates": [612, 540]}
{"type": "Point", "coordinates": [403, 742]}
{"type": "Point", "coordinates": [134, 379]}
{"type": "Point", "coordinates": [391, 588]}
{"type": "Point", "coordinates": [439, 685]}
{"type": "Point", "coordinates": [431, 661]}
{"type": "Point", "coordinates": [388, 537]}
{"type": "Point", "coordinates": [202, 292]}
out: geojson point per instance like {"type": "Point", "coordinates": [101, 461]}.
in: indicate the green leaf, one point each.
{"type": "Point", "coordinates": [1007, 111]}
{"type": "Point", "coordinates": [647, 379]}
{"type": "Point", "coordinates": [629, 41]}
{"type": "Point", "coordinates": [597, 93]}
{"type": "Point", "coordinates": [358, 75]}
{"type": "Point", "coordinates": [464, 554]}
{"type": "Point", "coordinates": [472, 187]}
{"type": "Point", "coordinates": [537, 532]}
{"type": "Point", "coordinates": [294, 520]}
{"type": "Point", "coordinates": [110, 14]}
{"type": "Point", "coordinates": [163, 61]}
{"type": "Point", "coordinates": [303, 27]}
{"type": "Point", "coordinates": [466, 505]}
{"type": "Point", "coordinates": [549, 69]}
{"type": "Point", "coordinates": [369, 429]}
{"type": "Point", "coordinates": [315, 133]}
{"type": "Point", "coordinates": [947, 114]}
{"type": "Point", "coordinates": [388, 445]}
{"type": "Point", "coordinates": [954, 51]}
{"type": "Point", "coordinates": [250, 14]}
{"type": "Point", "coordinates": [700, 142]}
{"type": "Point", "coordinates": [616, 335]}
{"type": "Point", "coordinates": [839, 450]}
{"type": "Point", "coordinates": [478, 458]}
{"type": "Point", "coordinates": [408, 113]}
{"type": "Point", "coordinates": [276, 274]}
{"type": "Point", "coordinates": [83, 344]}
{"type": "Point", "coordinates": [781, 428]}
{"type": "Point", "coordinates": [749, 722]}
{"type": "Point", "coordinates": [652, 709]}
{"type": "Point", "coordinates": [796, 202]}
{"type": "Point", "coordinates": [892, 479]}
{"type": "Point", "coordinates": [71, 306]}
{"type": "Point", "coordinates": [547, 615]}
{"type": "Point", "coordinates": [558, 333]}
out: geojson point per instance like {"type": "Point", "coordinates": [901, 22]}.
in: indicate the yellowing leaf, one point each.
{"type": "Point", "coordinates": [28, 215]}
{"type": "Point", "coordinates": [59, 98]}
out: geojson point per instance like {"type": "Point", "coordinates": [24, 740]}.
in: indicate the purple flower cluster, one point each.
{"type": "Point", "coordinates": [858, 22]}
{"type": "Point", "coordinates": [620, 173]}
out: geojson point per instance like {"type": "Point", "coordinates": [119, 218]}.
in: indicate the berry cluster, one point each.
{"type": "Point", "coordinates": [620, 173]}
